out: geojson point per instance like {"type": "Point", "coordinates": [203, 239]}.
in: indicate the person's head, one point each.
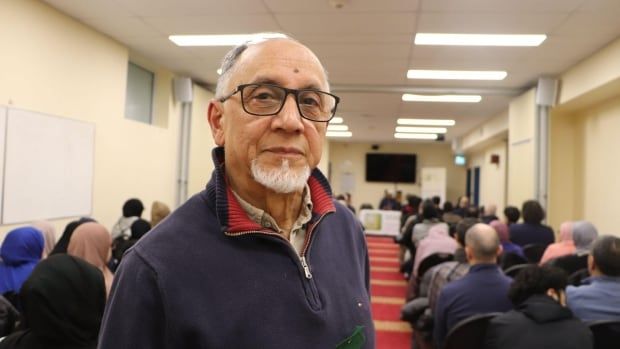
{"type": "Point", "coordinates": [482, 245]}
{"type": "Point", "coordinates": [22, 245]}
{"type": "Point", "coordinates": [501, 229]}
{"type": "Point", "coordinates": [270, 114]}
{"type": "Point", "coordinates": [133, 208]}
{"type": "Point", "coordinates": [472, 211]}
{"type": "Point", "coordinates": [462, 227]}
{"type": "Point", "coordinates": [605, 256]}
{"type": "Point", "coordinates": [49, 235]}
{"type": "Point", "coordinates": [533, 212]}
{"type": "Point", "coordinates": [490, 210]}
{"type": "Point", "coordinates": [429, 211]}
{"type": "Point", "coordinates": [566, 231]}
{"type": "Point", "coordinates": [584, 234]}
{"type": "Point", "coordinates": [63, 302]}
{"type": "Point", "coordinates": [139, 228]}
{"type": "Point", "coordinates": [414, 201]}
{"type": "Point", "coordinates": [92, 242]}
{"type": "Point", "coordinates": [447, 206]}
{"type": "Point", "coordinates": [159, 211]}
{"type": "Point", "coordinates": [512, 214]}
{"type": "Point", "coordinates": [347, 197]}
{"type": "Point", "coordinates": [538, 280]}
{"type": "Point", "coordinates": [436, 200]}
{"type": "Point", "coordinates": [462, 202]}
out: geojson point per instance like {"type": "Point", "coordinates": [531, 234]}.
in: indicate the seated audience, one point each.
{"type": "Point", "coordinates": [63, 301]}
{"type": "Point", "coordinates": [600, 299]}
{"type": "Point", "coordinates": [139, 228]}
{"type": "Point", "coordinates": [49, 235]}
{"type": "Point", "coordinates": [347, 196]}
{"type": "Point", "coordinates": [430, 218]}
{"type": "Point", "coordinates": [437, 241]}
{"type": "Point", "coordinates": [483, 290]}
{"type": "Point", "coordinates": [91, 242]}
{"type": "Point", "coordinates": [488, 214]}
{"type": "Point", "coordinates": [132, 210]}
{"type": "Point", "coordinates": [531, 231]}
{"type": "Point", "coordinates": [462, 204]}
{"type": "Point", "coordinates": [159, 211]}
{"type": "Point", "coordinates": [448, 216]}
{"type": "Point", "coordinates": [21, 250]}
{"type": "Point", "coordinates": [540, 318]}
{"type": "Point", "coordinates": [450, 271]}
{"type": "Point", "coordinates": [584, 234]}
{"type": "Point", "coordinates": [61, 245]}
{"type": "Point", "coordinates": [437, 201]}
{"type": "Point", "coordinates": [504, 239]}
{"type": "Point", "coordinates": [564, 246]}
{"type": "Point", "coordinates": [511, 215]}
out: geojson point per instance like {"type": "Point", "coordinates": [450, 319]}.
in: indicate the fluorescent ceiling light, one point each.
{"type": "Point", "coordinates": [426, 122]}
{"type": "Point", "coordinates": [442, 98]}
{"type": "Point", "coordinates": [339, 134]}
{"type": "Point", "coordinates": [337, 128]}
{"type": "Point", "coordinates": [336, 120]}
{"type": "Point", "coordinates": [415, 135]}
{"type": "Point", "coordinates": [410, 129]}
{"type": "Point", "coordinates": [456, 74]}
{"type": "Point", "coordinates": [221, 40]}
{"type": "Point", "coordinates": [479, 39]}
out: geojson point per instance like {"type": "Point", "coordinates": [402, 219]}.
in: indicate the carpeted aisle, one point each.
{"type": "Point", "coordinates": [387, 289]}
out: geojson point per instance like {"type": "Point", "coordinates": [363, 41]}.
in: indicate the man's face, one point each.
{"type": "Point", "coordinates": [270, 141]}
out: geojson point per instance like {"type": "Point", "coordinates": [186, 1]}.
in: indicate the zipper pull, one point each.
{"type": "Point", "coordinates": [306, 268]}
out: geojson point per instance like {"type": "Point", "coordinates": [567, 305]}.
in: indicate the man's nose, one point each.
{"type": "Point", "coordinates": [289, 117]}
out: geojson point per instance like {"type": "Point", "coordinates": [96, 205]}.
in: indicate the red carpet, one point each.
{"type": "Point", "coordinates": [387, 288]}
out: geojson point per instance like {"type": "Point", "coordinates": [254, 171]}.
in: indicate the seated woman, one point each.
{"type": "Point", "coordinates": [540, 318]}
{"type": "Point", "coordinates": [563, 247]}
{"type": "Point", "coordinates": [91, 242]}
{"type": "Point", "coordinates": [63, 301]}
{"type": "Point", "coordinates": [430, 218]}
{"type": "Point", "coordinates": [21, 250]}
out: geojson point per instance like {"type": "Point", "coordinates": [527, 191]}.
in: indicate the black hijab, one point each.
{"type": "Point", "coordinates": [63, 301]}
{"type": "Point", "coordinates": [139, 228]}
{"type": "Point", "coordinates": [63, 243]}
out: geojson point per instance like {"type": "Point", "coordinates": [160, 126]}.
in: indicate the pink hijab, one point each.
{"type": "Point", "coordinates": [92, 242]}
{"type": "Point", "coordinates": [437, 241]}
{"type": "Point", "coordinates": [49, 235]}
{"type": "Point", "coordinates": [563, 247]}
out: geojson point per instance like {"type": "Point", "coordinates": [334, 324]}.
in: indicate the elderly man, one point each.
{"type": "Point", "coordinates": [483, 290]}
{"type": "Point", "coordinates": [264, 257]}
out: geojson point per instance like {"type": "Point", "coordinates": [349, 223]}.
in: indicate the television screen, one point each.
{"type": "Point", "coordinates": [394, 168]}
{"type": "Point", "coordinates": [460, 160]}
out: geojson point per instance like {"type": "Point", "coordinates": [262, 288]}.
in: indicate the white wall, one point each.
{"type": "Point", "coordinates": [351, 157]}
{"type": "Point", "coordinates": [201, 143]}
{"type": "Point", "coordinates": [492, 176]}
{"type": "Point", "coordinates": [56, 65]}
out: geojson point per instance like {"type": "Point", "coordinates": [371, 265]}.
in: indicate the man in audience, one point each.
{"type": "Point", "coordinates": [600, 299]}
{"type": "Point", "coordinates": [483, 290]}
{"type": "Point", "coordinates": [532, 231]}
{"type": "Point", "coordinates": [264, 257]}
{"type": "Point", "coordinates": [512, 215]}
{"type": "Point", "coordinates": [584, 234]}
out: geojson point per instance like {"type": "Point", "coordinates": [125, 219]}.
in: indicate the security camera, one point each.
{"type": "Point", "coordinates": [375, 147]}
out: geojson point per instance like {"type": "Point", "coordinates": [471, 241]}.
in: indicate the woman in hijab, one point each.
{"type": "Point", "coordinates": [61, 245]}
{"type": "Point", "coordinates": [63, 301]}
{"type": "Point", "coordinates": [504, 238]}
{"type": "Point", "coordinates": [49, 235]}
{"type": "Point", "coordinates": [563, 247]}
{"type": "Point", "coordinates": [437, 241]}
{"type": "Point", "coordinates": [159, 211]}
{"type": "Point", "coordinates": [584, 234]}
{"type": "Point", "coordinates": [91, 242]}
{"type": "Point", "coordinates": [20, 252]}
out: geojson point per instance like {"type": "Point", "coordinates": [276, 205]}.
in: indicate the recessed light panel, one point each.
{"type": "Point", "coordinates": [479, 39]}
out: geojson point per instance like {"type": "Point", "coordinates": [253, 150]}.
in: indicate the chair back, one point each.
{"type": "Point", "coordinates": [469, 333]}
{"type": "Point", "coordinates": [576, 277]}
{"type": "Point", "coordinates": [509, 259]}
{"type": "Point", "coordinates": [606, 334]}
{"type": "Point", "coordinates": [514, 270]}
{"type": "Point", "coordinates": [433, 260]}
{"type": "Point", "coordinates": [534, 252]}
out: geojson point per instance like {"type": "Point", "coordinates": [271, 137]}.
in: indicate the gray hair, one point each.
{"type": "Point", "coordinates": [584, 234]}
{"type": "Point", "coordinates": [229, 61]}
{"type": "Point", "coordinates": [483, 241]}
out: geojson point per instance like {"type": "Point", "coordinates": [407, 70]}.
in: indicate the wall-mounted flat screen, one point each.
{"type": "Point", "coordinates": [394, 168]}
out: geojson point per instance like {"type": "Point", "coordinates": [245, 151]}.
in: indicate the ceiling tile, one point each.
{"type": "Point", "coordinates": [90, 8]}
{"type": "Point", "coordinates": [601, 6]}
{"type": "Point", "coordinates": [503, 6]}
{"type": "Point", "coordinates": [237, 24]}
{"type": "Point", "coordinates": [323, 6]}
{"type": "Point", "coordinates": [123, 27]}
{"type": "Point", "coordinates": [489, 23]}
{"type": "Point", "coordinates": [159, 8]}
{"type": "Point", "coordinates": [351, 23]}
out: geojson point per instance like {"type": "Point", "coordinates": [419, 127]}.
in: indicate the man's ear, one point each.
{"type": "Point", "coordinates": [215, 115]}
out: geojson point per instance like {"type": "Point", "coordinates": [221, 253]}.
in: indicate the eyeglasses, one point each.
{"type": "Point", "coordinates": [267, 99]}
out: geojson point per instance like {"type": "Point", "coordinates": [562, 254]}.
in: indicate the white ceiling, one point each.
{"type": "Point", "coordinates": [367, 46]}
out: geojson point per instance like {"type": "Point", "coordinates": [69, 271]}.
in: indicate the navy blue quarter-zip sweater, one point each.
{"type": "Point", "coordinates": [210, 277]}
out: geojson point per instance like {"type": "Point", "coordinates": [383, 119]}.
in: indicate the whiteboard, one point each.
{"type": "Point", "coordinates": [3, 111]}
{"type": "Point", "coordinates": [48, 167]}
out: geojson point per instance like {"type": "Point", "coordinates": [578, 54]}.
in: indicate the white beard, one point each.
{"type": "Point", "coordinates": [283, 179]}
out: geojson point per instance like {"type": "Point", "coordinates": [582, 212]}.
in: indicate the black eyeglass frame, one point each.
{"type": "Point", "coordinates": [287, 91]}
